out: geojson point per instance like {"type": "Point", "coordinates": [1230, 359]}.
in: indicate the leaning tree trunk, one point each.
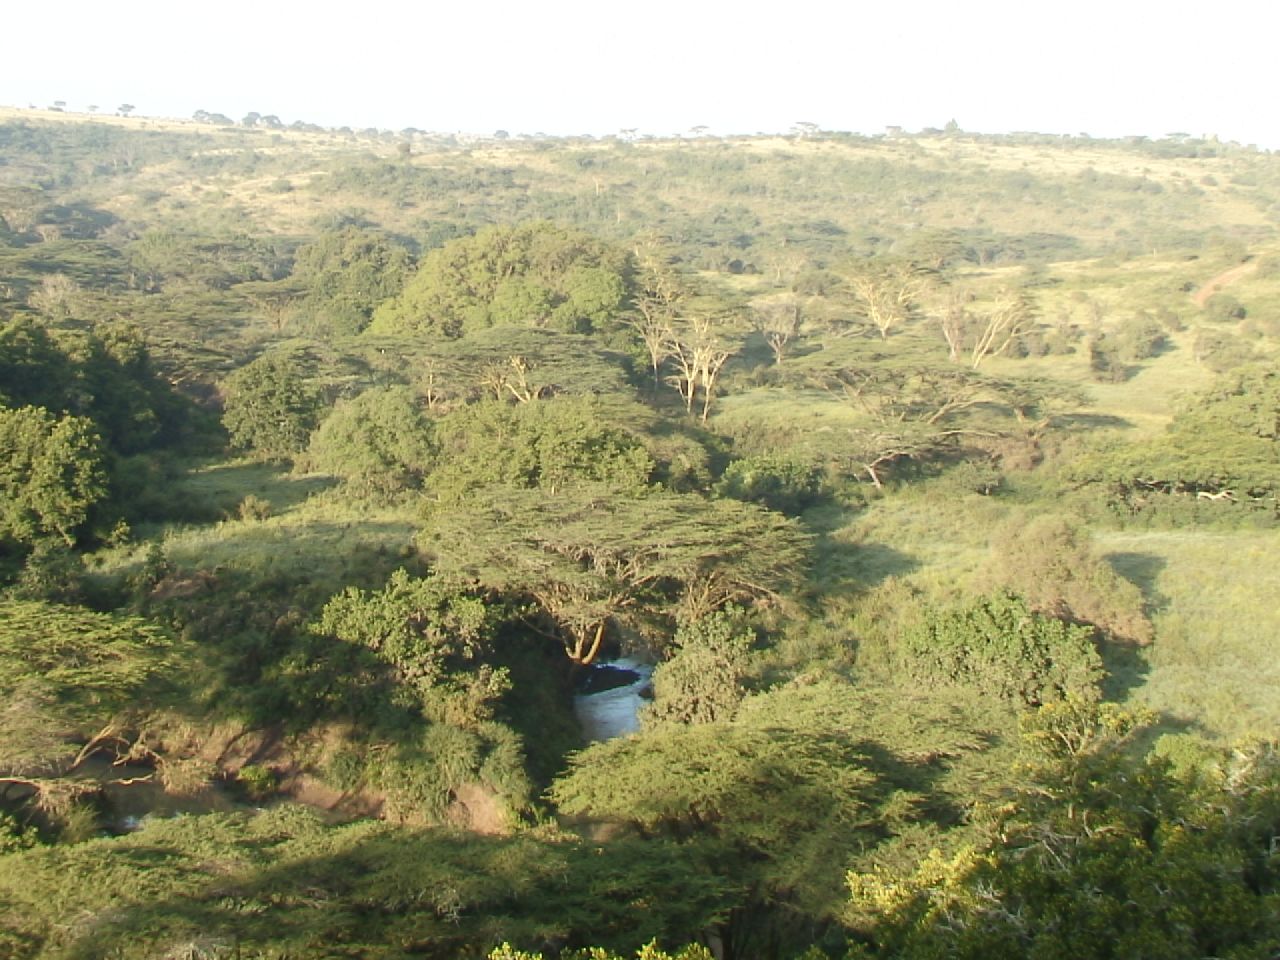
{"type": "Point", "coordinates": [583, 652]}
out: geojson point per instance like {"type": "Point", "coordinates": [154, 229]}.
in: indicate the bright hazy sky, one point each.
{"type": "Point", "coordinates": [663, 66]}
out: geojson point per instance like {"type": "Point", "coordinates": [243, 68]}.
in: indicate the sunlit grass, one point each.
{"type": "Point", "coordinates": [294, 529]}
{"type": "Point", "coordinates": [1216, 600]}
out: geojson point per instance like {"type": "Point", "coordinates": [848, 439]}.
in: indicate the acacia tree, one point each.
{"type": "Point", "coordinates": [700, 353]}
{"type": "Point", "coordinates": [1002, 323]}
{"type": "Point", "coordinates": [71, 685]}
{"type": "Point", "coordinates": [887, 294]}
{"type": "Point", "coordinates": [589, 559]}
{"type": "Point", "coordinates": [657, 297]}
{"type": "Point", "coordinates": [910, 405]}
{"type": "Point", "coordinates": [954, 321]}
{"type": "Point", "coordinates": [777, 319]}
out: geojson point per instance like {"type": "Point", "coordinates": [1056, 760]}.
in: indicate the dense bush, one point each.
{"type": "Point", "coordinates": [51, 474]}
{"type": "Point", "coordinates": [547, 444]}
{"type": "Point", "coordinates": [998, 646]}
{"type": "Point", "coordinates": [271, 408]}
{"type": "Point", "coordinates": [702, 680]}
{"type": "Point", "coordinates": [535, 275]}
{"type": "Point", "coordinates": [379, 443]}
{"type": "Point", "coordinates": [781, 483]}
{"type": "Point", "coordinates": [1050, 562]}
{"type": "Point", "coordinates": [345, 274]}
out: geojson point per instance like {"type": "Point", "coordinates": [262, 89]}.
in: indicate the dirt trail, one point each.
{"type": "Point", "coordinates": [1225, 278]}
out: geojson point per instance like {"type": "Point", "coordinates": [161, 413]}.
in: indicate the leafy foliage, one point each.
{"type": "Point", "coordinates": [1103, 855]}
{"type": "Point", "coordinates": [549, 444]}
{"type": "Point", "coordinates": [51, 474]}
{"type": "Point", "coordinates": [284, 880]}
{"type": "Point", "coordinates": [424, 627]}
{"type": "Point", "coordinates": [998, 645]}
{"type": "Point", "coordinates": [271, 408]}
{"type": "Point", "coordinates": [105, 374]}
{"type": "Point", "coordinates": [784, 483]}
{"type": "Point", "coordinates": [73, 682]}
{"type": "Point", "coordinates": [1225, 444]}
{"type": "Point", "coordinates": [535, 275]}
{"type": "Point", "coordinates": [346, 273]}
{"type": "Point", "coordinates": [702, 681]}
{"type": "Point", "coordinates": [379, 442]}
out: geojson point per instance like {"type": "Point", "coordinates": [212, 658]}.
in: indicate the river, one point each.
{"type": "Point", "coordinates": [612, 713]}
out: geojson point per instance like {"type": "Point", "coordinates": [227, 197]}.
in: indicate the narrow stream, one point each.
{"type": "Point", "coordinates": [612, 713]}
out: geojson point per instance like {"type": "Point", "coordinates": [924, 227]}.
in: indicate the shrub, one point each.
{"type": "Point", "coordinates": [1139, 338]}
{"type": "Point", "coordinates": [1105, 363]}
{"type": "Point", "coordinates": [1221, 351]}
{"type": "Point", "coordinates": [702, 682]}
{"type": "Point", "coordinates": [999, 646]}
{"type": "Point", "coordinates": [258, 781]}
{"type": "Point", "coordinates": [782, 483]}
{"type": "Point", "coordinates": [1050, 563]}
{"type": "Point", "coordinates": [1224, 308]}
{"type": "Point", "coordinates": [379, 443]}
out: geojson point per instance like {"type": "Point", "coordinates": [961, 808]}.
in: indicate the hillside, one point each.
{"type": "Point", "coordinates": [934, 475]}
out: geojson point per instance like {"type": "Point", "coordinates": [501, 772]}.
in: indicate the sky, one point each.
{"type": "Point", "coordinates": [1117, 68]}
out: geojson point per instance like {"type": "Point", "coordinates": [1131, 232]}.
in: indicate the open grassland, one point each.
{"type": "Point", "coordinates": [1215, 599]}
{"type": "Point", "coordinates": [275, 527]}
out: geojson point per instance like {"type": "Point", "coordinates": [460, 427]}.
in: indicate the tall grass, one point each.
{"type": "Point", "coordinates": [1215, 663]}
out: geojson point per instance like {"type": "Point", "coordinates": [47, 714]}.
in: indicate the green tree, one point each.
{"type": "Point", "coordinates": [1223, 447]}
{"type": "Point", "coordinates": [788, 484]}
{"type": "Point", "coordinates": [768, 789]}
{"type": "Point", "coordinates": [51, 474]}
{"type": "Point", "coordinates": [254, 881]}
{"type": "Point", "coordinates": [552, 444]}
{"type": "Point", "coordinates": [33, 370]}
{"type": "Point", "coordinates": [380, 442]}
{"type": "Point", "coordinates": [424, 627]}
{"type": "Point", "coordinates": [270, 407]}
{"type": "Point", "coordinates": [535, 275]}
{"type": "Point", "coordinates": [346, 273]}
{"type": "Point", "coordinates": [436, 634]}
{"type": "Point", "coordinates": [908, 405]}
{"type": "Point", "coordinates": [590, 557]}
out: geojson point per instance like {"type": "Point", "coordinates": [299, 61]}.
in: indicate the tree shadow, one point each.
{"type": "Point", "coordinates": [841, 565]}
{"type": "Point", "coordinates": [80, 221]}
{"type": "Point", "coordinates": [1143, 570]}
{"type": "Point", "coordinates": [1126, 668]}
{"type": "Point", "coordinates": [841, 560]}
{"type": "Point", "coordinates": [1084, 422]}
